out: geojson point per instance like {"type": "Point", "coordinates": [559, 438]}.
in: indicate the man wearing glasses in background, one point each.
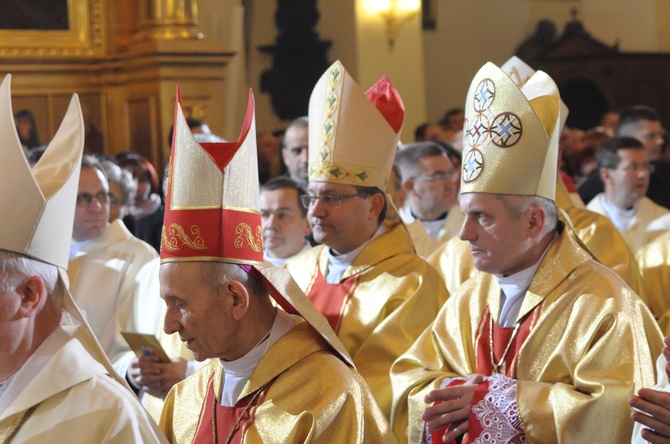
{"type": "Point", "coordinates": [375, 292]}
{"type": "Point", "coordinates": [113, 275]}
{"type": "Point", "coordinates": [430, 181]}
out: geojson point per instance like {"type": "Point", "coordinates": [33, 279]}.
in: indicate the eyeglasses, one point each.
{"type": "Point", "coordinates": [440, 176]}
{"type": "Point", "coordinates": [85, 199]}
{"type": "Point", "coordinates": [328, 200]}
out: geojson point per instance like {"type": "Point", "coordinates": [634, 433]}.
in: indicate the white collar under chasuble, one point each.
{"type": "Point", "coordinates": [513, 289]}
{"type": "Point", "coordinates": [337, 265]}
{"type": "Point", "coordinates": [236, 373]}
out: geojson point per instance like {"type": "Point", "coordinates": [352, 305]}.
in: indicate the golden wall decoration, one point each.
{"type": "Point", "coordinates": [83, 38]}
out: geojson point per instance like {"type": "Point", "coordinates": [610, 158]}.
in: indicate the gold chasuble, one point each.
{"type": "Point", "coordinates": [388, 295]}
{"type": "Point", "coordinates": [585, 343]}
{"type": "Point", "coordinates": [392, 296]}
{"type": "Point", "coordinates": [297, 393]}
{"type": "Point", "coordinates": [654, 262]}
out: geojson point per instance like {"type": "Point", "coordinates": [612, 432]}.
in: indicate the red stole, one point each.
{"type": "Point", "coordinates": [331, 299]}
{"type": "Point", "coordinates": [231, 422]}
{"type": "Point", "coordinates": [501, 338]}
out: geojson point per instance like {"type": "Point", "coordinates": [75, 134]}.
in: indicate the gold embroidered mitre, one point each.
{"type": "Point", "coordinates": [211, 207]}
{"type": "Point", "coordinates": [510, 140]}
{"type": "Point", "coordinates": [353, 135]}
{"type": "Point", "coordinates": [38, 204]}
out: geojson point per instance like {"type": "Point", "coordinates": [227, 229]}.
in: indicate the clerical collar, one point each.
{"type": "Point", "coordinates": [514, 288]}
{"type": "Point", "coordinates": [442, 217]}
{"type": "Point", "coordinates": [280, 261]}
{"type": "Point", "coordinates": [337, 265]}
{"type": "Point", "coordinates": [236, 373]}
{"type": "Point", "coordinates": [620, 218]}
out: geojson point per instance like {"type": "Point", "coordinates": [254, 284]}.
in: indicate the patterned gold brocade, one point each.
{"type": "Point", "coordinates": [397, 297]}
{"type": "Point", "coordinates": [455, 263]}
{"type": "Point", "coordinates": [594, 345]}
{"type": "Point", "coordinates": [314, 397]}
{"type": "Point", "coordinates": [654, 263]}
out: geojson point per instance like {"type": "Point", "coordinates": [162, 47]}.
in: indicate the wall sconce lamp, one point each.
{"type": "Point", "coordinates": [395, 13]}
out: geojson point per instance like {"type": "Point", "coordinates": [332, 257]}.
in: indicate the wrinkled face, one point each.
{"type": "Point", "coordinates": [197, 311]}
{"type": "Point", "coordinates": [294, 153]}
{"type": "Point", "coordinates": [345, 228]}
{"type": "Point", "coordinates": [499, 240]}
{"type": "Point", "coordinates": [10, 302]}
{"type": "Point", "coordinates": [650, 133]}
{"type": "Point", "coordinates": [628, 183]}
{"type": "Point", "coordinates": [434, 192]}
{"type": "Point", "coordinates": [284, 227]}
{"type": "Point", "coordinates": [90, 219]}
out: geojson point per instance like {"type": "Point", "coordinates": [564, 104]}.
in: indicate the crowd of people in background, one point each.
{"type": "Point", "coordinates": [428, 287]}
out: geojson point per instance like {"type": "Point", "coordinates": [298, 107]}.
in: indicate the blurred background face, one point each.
{"type": "Point", "coordinates": [650, 133]}
{"type": "Point", "coordinates": [23, 127]}
{"type": "Point", "coordinates": [294, 153]}
{"type": "Point", "coordinates": [143, 187]}
{"type": "Point", "coordinates": [435, 190]}
{"type": "Point", "coordinates": [268, 147]}
{"type": "Point", "coordinates": [90, 219]}
{"type": "Point", "coordinates": [628, 183]}
{"type": "Point", "coordinates": [115, 207]}
{"type": "Point", "coordinates": [284, 227]}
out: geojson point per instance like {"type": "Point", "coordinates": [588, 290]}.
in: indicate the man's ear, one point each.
{"type": "Point", "coordinates": [537, 219]}
{"type": "Point", "coordinates": [605, 175]}
{"type": "Point", "coordinates": [408, 185]}
{"type": "Point", "coordinates": [33, 292]}
{"type": "Point", "coordinates": [377, 206]}
{"type": "Point", "coordinates": [240, 299]}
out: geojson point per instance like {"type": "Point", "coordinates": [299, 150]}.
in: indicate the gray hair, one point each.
{"type": "Point", "coordinates": [410, 155]}
{"type": "Point", "coordinates": [121, 177]}
{"type": "Point", "coordinates": [16, 268]}
{"type": "Point", "coordinates": [218, 273]}
{"type": "Point", "coordinates": [517, 205]}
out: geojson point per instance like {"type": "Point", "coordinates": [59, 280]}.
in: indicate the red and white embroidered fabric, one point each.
{"type": "Point", "coordinates": [494, 417]}
{"type": "Point", "coordinates": [496, 413]}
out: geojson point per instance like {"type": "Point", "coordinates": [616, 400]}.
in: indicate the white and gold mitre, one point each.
{"type": "Point", "coordinates": [211, 206]}
{"type": "Point", "coordinates": [520, 72]}
{"type": "Point", "coordinates": [211, 214]}
{"type": "Point", "coordinates": [353, 135]}
{"type": "Point", "coordinates": [38, 204]}
{"type": "Point", "coordinates": [510, 143]}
